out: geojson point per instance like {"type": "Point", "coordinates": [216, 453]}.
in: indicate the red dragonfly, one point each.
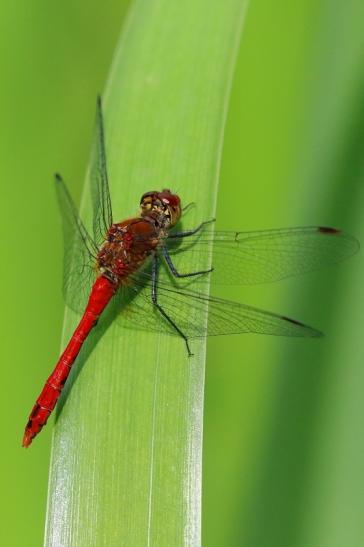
{"type": "Point", "coordinates": [139, 264]}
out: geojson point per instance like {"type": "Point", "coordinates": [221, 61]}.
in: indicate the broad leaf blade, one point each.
{"type": "Point", "coordinates": [126, 465]}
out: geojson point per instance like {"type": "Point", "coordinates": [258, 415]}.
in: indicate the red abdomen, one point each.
{"type": "Point", "coordinates": [101, 293]}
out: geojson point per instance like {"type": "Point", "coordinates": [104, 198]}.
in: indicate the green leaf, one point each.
{"type": "Point", "coordinates": [126, 460]}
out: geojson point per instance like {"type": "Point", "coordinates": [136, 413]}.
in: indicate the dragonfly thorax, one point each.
{"type": "Point", "coordinates": [126, 247]}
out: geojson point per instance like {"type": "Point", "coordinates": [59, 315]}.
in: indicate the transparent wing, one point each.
{"type": "Point", "coordinates": [261, 256]}
{"type": "Point", "coordinates": [188, 310]}
{"type": "Point", "coordinates": [102, 211]}
{"type": "Point", "coordinates": [79, 252]}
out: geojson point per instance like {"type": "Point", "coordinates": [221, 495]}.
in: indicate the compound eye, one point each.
{"type": "Point", "coordinates": [148, 196]}
{"type": "Point", "coordinates": [147, 203]}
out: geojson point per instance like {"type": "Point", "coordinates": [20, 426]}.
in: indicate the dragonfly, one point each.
{"type": "Point", "coordinates": [139, 264]}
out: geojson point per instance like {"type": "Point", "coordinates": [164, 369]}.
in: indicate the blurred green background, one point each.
{"type": "Point", "coordinates": [283, 443]}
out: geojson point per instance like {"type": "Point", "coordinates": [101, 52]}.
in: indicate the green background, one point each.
{"type": "Point", "coordinates": [283, 448]}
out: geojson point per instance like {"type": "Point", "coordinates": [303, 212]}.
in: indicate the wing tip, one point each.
{"type": "Point", "coordinates": [315, 333]}
{"type": "Point", "coordinates": [327, 230]}
{"type": "Point", "coordinates": [306, 329]}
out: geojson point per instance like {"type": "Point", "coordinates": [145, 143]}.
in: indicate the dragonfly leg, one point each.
{"type": "Point", "coordinates": [188, 206]}
{"type": "Point", "coordinates": [160, 308]}
{"type": "Point", "coordinates": [173, 269]}
{"type": "Point", "coordinates": [187, 233]}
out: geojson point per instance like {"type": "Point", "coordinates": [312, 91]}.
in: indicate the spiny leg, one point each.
{"type": "Point", "coordinates": [187, 233]}
{"type": "Point", "coordinates": [188, 206]}
{"type": "Point", "coordinates": [160, 308]}
{"type": "Point", "coordinates": [173, 269]}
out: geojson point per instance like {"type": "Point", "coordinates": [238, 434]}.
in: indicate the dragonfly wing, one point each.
{"type": "Point", "coordinates": [79, 252]}
{"type": "Point", "coordinates": [100, 193]}
{"type": "Point", "coordinates": [189, 310]}
{"type": "Point", "coordinates": [262, 256]}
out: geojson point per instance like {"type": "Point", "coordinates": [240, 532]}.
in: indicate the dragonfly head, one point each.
{"type": "Point", "coordinates": [163, 206]}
